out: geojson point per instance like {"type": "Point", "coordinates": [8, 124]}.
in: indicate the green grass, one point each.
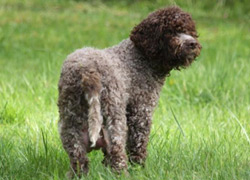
{"type": "Point", "coordinates": [201, 127]}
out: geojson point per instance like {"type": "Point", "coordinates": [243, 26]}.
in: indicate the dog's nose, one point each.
{"type": "Point", "coordinates": [192, 44]}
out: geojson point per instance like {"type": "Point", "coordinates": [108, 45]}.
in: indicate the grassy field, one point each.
{"type": "Point", "coordinates": [210, 100]}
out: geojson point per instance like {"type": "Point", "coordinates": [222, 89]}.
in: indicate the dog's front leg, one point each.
{"type": "Point", "coordinates": [139, 117]}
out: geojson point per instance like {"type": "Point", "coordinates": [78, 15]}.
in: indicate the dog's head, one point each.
{"type": "Point", "coordinates": [168, 37]}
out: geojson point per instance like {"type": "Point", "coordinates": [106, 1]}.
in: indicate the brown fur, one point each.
{"type": "Point", "coordinates": [107, 97]}
{"type": "Point", "coordinates": [155, 37]}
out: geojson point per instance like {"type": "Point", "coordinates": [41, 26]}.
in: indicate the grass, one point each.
{"type": "Point", "coordinates": [201, 127]}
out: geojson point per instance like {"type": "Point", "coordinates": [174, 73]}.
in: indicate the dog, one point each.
{"type": "Point", "coordinates": [107, 96]}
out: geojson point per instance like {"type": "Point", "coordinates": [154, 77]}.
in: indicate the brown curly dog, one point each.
{"type": "Point", "coordinates": [107, 97]}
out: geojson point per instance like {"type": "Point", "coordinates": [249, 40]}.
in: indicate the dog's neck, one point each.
{"type": "Point", "coordinates": [157, 66]}
{"type": "Point", "coordinates": [159, 71]}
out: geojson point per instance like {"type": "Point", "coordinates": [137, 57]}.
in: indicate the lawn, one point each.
{"type": "Point", "coordinates": [201, 127]}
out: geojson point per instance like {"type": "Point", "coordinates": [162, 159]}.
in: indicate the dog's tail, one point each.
{"type": "Point", "coordinates": [92, 88]}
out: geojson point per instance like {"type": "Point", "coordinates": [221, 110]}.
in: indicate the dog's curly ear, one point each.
{"type": "Point", "coordinates": [147, 37]}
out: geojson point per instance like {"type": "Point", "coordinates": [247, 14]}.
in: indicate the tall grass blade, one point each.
{"type": "Point", "coordinates": [176, 120]}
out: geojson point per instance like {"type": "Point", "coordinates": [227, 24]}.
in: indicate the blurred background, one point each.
{"type": "Point", "coordinates": [204, 136]}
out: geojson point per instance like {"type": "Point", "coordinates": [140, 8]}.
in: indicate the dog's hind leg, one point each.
{"type": "Point", "coordinates": [73, 143]}
{"type": "Point", "coordinates": [73, 110]}
{"type": "Point", "coordinates": [114, 111]}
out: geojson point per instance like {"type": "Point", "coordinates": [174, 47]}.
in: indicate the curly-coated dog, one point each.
{"type": "Point", "coordinates": [107, 97]}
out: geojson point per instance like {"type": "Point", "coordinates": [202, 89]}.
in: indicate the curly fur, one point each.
{"type": "Point", "coordinates": [154, 37]}
{"type": "Point", "coordinates": [107, 97]}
